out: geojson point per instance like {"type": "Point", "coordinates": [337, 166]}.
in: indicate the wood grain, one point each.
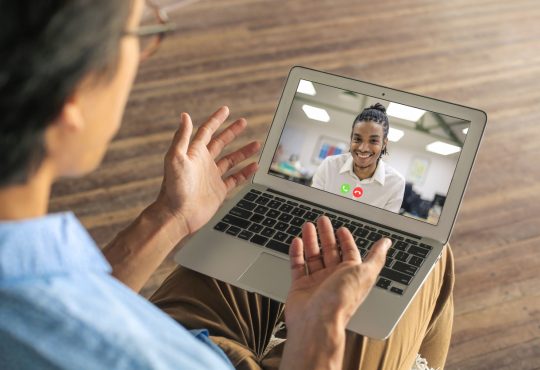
{"type": "Point", "coordinates": [482, 53]}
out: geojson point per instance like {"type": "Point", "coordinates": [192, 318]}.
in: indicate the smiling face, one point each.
{"type": "Point", "coordinates": [367, 143]}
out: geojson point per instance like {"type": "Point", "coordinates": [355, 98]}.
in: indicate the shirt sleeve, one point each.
{"type": "Point", "coordinates": [395, 201]}
{"type": "Point", "coordinates": [203, 336]}
{"type": "Point", "coordinates": [319, 179]}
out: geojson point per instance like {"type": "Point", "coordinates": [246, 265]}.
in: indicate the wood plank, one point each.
{"type": "Point", "coordinates": [522, 356]}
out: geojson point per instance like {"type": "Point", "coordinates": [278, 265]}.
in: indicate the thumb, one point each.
{"type": "Point", "coordinates": [181, 138]}
{"type": "Point", "coordinates": [377, 253]}
{"type": "Point", "coordinates": [296, 257]}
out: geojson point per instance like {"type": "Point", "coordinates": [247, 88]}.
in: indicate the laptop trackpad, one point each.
{"type": "Point", "coordinates": [269, 275]}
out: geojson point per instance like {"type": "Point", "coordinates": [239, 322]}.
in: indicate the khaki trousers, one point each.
{"type": "Point", "coordinates": [242, 323]}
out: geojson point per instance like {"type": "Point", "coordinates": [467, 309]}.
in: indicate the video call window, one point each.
{"type": "Point", "coordinates": [391, 156]}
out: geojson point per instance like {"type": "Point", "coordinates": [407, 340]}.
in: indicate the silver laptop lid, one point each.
{"type": "Point", "coordinates": [432, 145]}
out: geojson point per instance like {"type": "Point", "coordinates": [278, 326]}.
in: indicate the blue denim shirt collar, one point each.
{"type": "Point", "coordinates": [49, 245]}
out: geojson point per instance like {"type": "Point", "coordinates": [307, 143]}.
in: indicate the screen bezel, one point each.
{"type": "Point", "coordinates": [441, 231]}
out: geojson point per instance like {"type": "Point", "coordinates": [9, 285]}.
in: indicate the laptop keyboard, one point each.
{"type": "Point", "coordinates": [273, 222]}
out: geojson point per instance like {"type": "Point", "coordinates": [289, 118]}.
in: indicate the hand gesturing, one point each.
{"type": "Point", "coordinates": [332, 285]}
{"type": "Point", "coordinates": [194, 185]}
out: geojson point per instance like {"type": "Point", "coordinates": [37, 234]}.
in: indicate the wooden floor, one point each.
{"type": "Point", "coordinates": [482, 53]}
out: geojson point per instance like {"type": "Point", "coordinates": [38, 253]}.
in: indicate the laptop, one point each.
{"type": "Point", "coordinates": [412, 198]}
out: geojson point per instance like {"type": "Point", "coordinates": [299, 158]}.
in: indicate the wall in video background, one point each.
{"type": "Point", "coordinates": [424, 149]}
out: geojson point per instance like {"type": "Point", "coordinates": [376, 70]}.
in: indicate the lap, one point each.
{"type": "Point", "coordinates": [241, 323]}
{"type": "Point", "coordinates": [429, 316]}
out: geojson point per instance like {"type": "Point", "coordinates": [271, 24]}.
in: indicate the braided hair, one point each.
{"type": "Point", "coordinates": [375, 113]}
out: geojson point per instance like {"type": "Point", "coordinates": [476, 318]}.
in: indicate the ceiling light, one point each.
{"type": "Point", "coordinates": [442, 148]}
{"type": "Point", "coordinates": [404, 112]}
{"type": "Point", "coordinates": [315, 113]}
{"type": "Point", "coordinates": [465, 130]}
{"type": "Point", "coordinates": [306, 87]}
{"type": "Point", "coordinates": [394, 134]}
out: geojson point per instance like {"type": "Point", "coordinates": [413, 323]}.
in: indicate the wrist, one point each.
{"type": "Point", "coordinates": [173, 226]}
{"type": "Point", "coordinates": [137, 251]}
{"type": "Point", "coordinates": [324, 328]}
{"type": "Point", "coordinates": [314, 344]}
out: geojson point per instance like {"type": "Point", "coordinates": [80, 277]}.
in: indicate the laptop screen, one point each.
{"type": "Point", "coordinates": [370, 150]}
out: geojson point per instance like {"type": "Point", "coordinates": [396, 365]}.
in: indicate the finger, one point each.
{"type": "Point", "coordinates": [296, 256]}
{"type": "Point", "coordinates": [232, 159]}
{"type": "Point", "coordinates": [207, 129]}
{"type": "Point", "coordinates": [240, 176]}
{"type": "Point", "coordinates": [377, 254]}
{"type": "Point", "coordinates": [349, 249]}
{"type": "Point", "coordinates": [180, 142]}
{"type": "Point", "coordinates": [311, 248]}
{"type": "Point", "coordinates": [328, 241]}
{"type": "Point", "coordinates": [217, 144]}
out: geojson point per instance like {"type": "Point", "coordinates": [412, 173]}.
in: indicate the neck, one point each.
{"type": "Point", "coordinates": [28, 200]}
{"type": "Point", "coordinates": [366, 172]}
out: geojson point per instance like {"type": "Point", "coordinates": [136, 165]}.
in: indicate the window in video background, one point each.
{"type": "Point", "coordinates": [423, 150]}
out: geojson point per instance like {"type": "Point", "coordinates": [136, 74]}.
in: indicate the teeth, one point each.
{"type": "Point", "coordinates": [363, 155]}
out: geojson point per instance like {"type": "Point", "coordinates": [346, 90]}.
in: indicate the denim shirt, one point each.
{"type": "Point", "coordinates": [61, 309]}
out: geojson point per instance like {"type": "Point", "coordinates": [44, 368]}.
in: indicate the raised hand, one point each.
{"type": "Point", "coordinates": [194, 184]}
{"type": "Point", "coordinates": [326, 290]}
{"type": "Point", "coordinates": [330, 285]}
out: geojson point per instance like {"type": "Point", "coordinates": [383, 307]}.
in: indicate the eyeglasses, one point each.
{"type": "Point", "coordinates": [153, 30]}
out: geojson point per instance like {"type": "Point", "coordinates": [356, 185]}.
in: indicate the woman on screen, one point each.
{"type": "Point", "coordinates": [361, 174]}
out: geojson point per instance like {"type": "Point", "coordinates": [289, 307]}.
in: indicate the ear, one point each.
{"type": "Point", "coordinates": [69, 121]}
{"type": "Point", "coordinates": [71, 117]}
{"type": "Point", "coordinates": [385, 142]}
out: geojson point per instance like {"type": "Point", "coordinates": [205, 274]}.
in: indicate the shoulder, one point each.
{"type": "Point", "coordinates": [393, 176]}
{"type": "Point", "coordinates": [96, 325]}
{"type": "Point", "coordinates": [79, 339]}
{"type": "Point", "coordinates": [336, 160]}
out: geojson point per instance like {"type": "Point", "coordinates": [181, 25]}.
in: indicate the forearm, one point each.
{"type": "Point", "coordinates": [137, 251]}
{"type": "Point", "coordinates": [317, 346]}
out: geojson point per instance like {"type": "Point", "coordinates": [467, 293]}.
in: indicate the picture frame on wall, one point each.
{"type": "Point", "coordinates": [327, 146]}
{"type": "Point", "coordinates": [418, 170]}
